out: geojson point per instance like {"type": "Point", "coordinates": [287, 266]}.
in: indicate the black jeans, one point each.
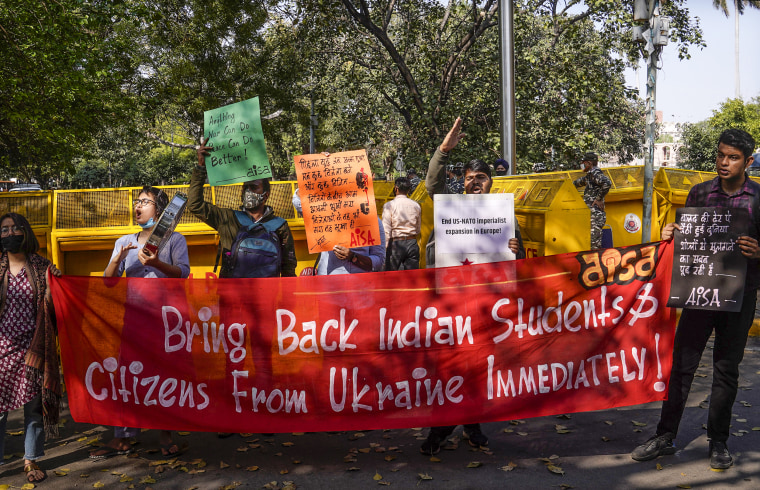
{"type": "Point", "coordinates": [404, 255]}
{"type": "Point", "coordinates": [694, 329]}
{"type": "Point", "coordinates": [440, 433]}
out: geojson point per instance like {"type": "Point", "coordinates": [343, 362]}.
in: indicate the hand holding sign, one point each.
{"type": "Point", "coordinates": [338, 200]}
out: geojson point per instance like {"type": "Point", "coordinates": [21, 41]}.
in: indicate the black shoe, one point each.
{"type": "Point", "coordinates": [720, 458]}
{"type": "Point", "coordinates": [430, 447]}
{"type": "Point", "coordinates": [656, 446]}
{"type": "Point", "coordinates": [475, 438]}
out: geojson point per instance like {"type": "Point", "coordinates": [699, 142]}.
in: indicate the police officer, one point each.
{"type": "Point", "coordinates": [597, 186]}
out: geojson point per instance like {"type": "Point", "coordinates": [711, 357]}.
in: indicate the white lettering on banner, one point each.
{"type": "Point", "coordinates": [308, 342]}
{"type": "Point", "coordinates": [542, 319]}
{"type": "Point", "coordinates": [421, 390]}
{"type": "Point", "coordinates": [550, 377]}
{"type": "Point", "coordinates": [175, 338]}
{"type": "Point", "coordinates": [291, 401]}
{"type": "Point", "coordinates": [411, 334]}
{"type": "Point", "coordinates": [148, 391]}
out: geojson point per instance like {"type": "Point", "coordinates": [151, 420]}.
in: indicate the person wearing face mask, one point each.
{"type": "Point", "coordinates": [501, 167]}
{"type": "Point", "coordinates": [131, 259]}
{"type": "Point", "coordinates": [254, 196]}
{"type": "Point", "coordinates": [29, 373]}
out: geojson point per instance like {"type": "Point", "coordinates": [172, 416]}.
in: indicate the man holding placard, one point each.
{"type": "Point", "coordinates": [477, 181]}
{"type": "Point", "coordinates": [254, 196]}
{"type": "Point", "coordinates": [732, 188]}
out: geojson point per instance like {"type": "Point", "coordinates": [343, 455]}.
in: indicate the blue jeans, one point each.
{"type": "Point", "coordinates": [34, 431]}
{"type": "Point", "coordinates": [125, 432]}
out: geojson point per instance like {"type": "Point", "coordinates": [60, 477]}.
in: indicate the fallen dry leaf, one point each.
{"type": "Point", "coordinates": [433, 459]}
{"type": "Point", "coordinates": [390, 457]}
{"type": "Point", "coordinates": [183, 433]}
{"type": "Point", "coordinates": [231, 486]}
{"type": "Point", "coordinates": [555, 469]}
{"type": "Point", "coordinates": [658, 467]}
{"type": "Point", "coordinates": [638, 424]}
{"type": "Point", "coordinates": [288, 444]}
{"type": "Point", "coordinates": [98, 484]}
{"type": "Point", "coordinates": [223, 465]}
{"type": "Point", "coordinates": [377, 477]}
{"type": "Point", "coordinates": [148, 479]}
{"type": "Point", "coordinates": [508, 467]}
{"type": "Point", "coordinates": [353, 468]}
{"type": "Point", "coordinates": [605, 439]}
{"type": "Point", "coordinates": [474, 464]}
{"type": "Point", "coordinates": [284, 472]}
{"type": "Point", "coordinates": [242, 449]}
{"type": "Point", "coordinates": [424, 476]}
{"type": "Point", "coordinates": [252, 468]}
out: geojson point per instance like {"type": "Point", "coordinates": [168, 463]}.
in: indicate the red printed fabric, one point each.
{"type": "Point", "coordinates": [478, 343]}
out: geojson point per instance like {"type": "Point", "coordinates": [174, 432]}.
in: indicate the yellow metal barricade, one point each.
{"type": "Point", "coordinates": [37, 208]}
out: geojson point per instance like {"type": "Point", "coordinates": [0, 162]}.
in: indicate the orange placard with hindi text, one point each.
{"type": "Point", "coordinates": [338, 200]}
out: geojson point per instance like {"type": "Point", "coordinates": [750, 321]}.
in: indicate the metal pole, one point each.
{"type": "Point", "coordinates": [312, 124]}
{"type": "Point", "coordinates": [651, 128]}
{"type": "Point", "coordinates": [507, 92]}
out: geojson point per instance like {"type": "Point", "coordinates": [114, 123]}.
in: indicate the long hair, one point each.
{"type": "Point", "coordinates": [30, 245]}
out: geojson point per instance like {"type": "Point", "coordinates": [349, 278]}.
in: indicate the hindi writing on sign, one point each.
{"type": "Point", "coordinates": [708, 267]}
{"type": "Point", "coordinates": [338, 200]}
{"type": "Point", "coordinates": [239, 153]}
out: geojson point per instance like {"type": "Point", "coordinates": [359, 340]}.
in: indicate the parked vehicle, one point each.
{"type": "Point", "coordinates": [26, 188]}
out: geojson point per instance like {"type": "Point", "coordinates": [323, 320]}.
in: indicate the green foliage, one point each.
{"type": "Point", "coordinates": [701, 139]}
{"type": "Point", "coordinates": [61, 78]}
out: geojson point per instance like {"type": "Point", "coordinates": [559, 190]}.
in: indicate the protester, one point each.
{"type": "Point", "coordinates": [730, 189]}
{"type": "Point", "coordinates": [402, 219]}
{"type": "Point", "coordinates": [29, 373]}
{"type": "Point", "coordinates": [597, 186]}
{"type": "Point", "coordinates": [477, 180]}
{"type": "Point", "coordinates": [501, 167]}
{"type": "Point", "coordinates": [254, 195]}
{"type": "Point", "coordinates": [131, 258]}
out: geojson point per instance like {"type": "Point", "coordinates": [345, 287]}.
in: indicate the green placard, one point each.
{"type": "Point", "coordinates": [240, 153]}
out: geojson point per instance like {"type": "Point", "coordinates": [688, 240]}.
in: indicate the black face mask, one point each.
{"type": "Point", "coordinates": [12, 243]}
{"type": "Point", "coordinates": [501, 172]}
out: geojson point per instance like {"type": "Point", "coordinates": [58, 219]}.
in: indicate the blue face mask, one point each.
{"type": "Point", "coordinates": [149, 224]}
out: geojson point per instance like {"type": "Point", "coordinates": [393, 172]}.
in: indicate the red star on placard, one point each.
{"type": "Point", "coordinates": [466, 261]}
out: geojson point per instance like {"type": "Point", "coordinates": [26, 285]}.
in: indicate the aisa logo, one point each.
{"type": "Point", "coordinates": [631, 223]}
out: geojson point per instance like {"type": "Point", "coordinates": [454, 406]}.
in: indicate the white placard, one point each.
{"type": "Point", "coordinates": [473, 228]}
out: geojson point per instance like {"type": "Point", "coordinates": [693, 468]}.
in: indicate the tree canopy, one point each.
{"type": "Point", "coordinates": [113, 92]}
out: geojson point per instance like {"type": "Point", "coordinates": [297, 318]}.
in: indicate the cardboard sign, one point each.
{"type": "Point", "coordinates": [708, 266]}
{"type": "Point", "coordinates": [473, 228]}
{"type": "Point", "coordinates": [338, 200]}
{"type": "Point", "coordinates": [368, 351]}
{"type": "Point", "coordinates": [240, 153]}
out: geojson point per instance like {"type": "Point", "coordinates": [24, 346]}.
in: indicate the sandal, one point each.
{"type": "Point", "coordinates": [110, 452]}
{"type": "Point", "coordinates": [30, 468]}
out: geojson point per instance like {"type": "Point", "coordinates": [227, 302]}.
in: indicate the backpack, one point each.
{"type": "Point", "coordinates": [256, 251]}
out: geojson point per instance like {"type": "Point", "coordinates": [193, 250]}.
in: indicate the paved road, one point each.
{"type": "Point", "coordinates": [594, 453]}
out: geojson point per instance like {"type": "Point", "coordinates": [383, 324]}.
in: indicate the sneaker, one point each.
{"type": "Point", "coordinates": [475, 438]}
{"type": "Point", "coordinates": [430, 447]}
{"type": "Point", "coordinates": [720, 458]}
{"type": "Point", "coordinates": [658, 445]}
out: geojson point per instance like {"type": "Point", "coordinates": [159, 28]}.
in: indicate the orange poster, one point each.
{"type": "Point", "coordinates": [338, 200]}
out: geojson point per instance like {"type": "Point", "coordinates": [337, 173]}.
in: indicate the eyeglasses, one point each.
{"type": "Point", "coordinates": [143, 202]}
{"type": "Point", "coordinates": [7, 230]}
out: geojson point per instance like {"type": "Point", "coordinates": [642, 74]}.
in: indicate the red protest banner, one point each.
{"type": "Point", "coordinates": [550, 335]}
